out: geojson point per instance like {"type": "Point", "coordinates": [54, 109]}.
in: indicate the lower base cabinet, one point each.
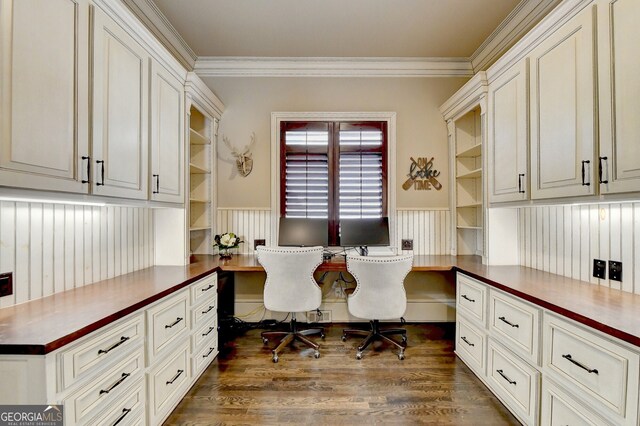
{"type": "Point", "coordinates": [559, 408]}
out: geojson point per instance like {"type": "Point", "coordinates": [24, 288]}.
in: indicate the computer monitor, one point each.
{"type": "Point", "coordinates": [303, 232]}
{"type": "Point", "coordinates": [364, 232]}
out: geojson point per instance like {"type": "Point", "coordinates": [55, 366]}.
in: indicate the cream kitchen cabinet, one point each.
{"type": "Point", "coordinates": [508, 148]}
{"type": "Point", "coordinates": [167, 136]}
{"type": "Point", "coordinates": [562, 110]}
{"type": "Point", "coordinates": [120, 111]}
{"type": "Point", "coordinates": [44, 99]}
{"type": "Point", "coordinates": [619, 100]}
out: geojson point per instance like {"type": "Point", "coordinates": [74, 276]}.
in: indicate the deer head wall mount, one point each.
{"type": "Point", "coordinates": [244, 159]}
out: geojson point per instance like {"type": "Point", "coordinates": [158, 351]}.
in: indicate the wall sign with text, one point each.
{"type": "Point", "coordinates": [422, 175]}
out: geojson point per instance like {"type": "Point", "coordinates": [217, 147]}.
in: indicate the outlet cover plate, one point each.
{"type": "Point", "coordinates": [615, 270]}
{"type": "Point", "coordinates": [407, 244]}
{"type": "Point", "coordinates": [257, 243]}
{"type": "Point", "coordinates": [599, 268]}
{"type": "Point", "coordinates": [6, 284]}
{"type": "Point", "coordinates": [313, 317]}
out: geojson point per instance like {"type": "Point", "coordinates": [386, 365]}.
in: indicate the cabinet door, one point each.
{"type": "Point", "coordinates": [619, 68]}
{"type": "Point", "coordinates": [120, 101]}
{"type": "Point", "coordinates": [43, 94]}
{"type": "Point", "coordinates": [508, 177]}
{"type": "Point", "coordinates": [562, 111]}
{"type": "Point", "coordinates": [167, 136]}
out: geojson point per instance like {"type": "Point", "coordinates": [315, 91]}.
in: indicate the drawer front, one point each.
{"type": "Point", "coordinates": [601, 371]}
{"type": "Point", "coordinates": [470, 345]}
{"type": "Point", "coordinates": [208, 331]}
{"type": "Point", "coordinates": [103, 347]}
{"type": "Point", "coordinates": [471, 297]}
{"type": "Point", "coordinates": [168, 381]}
{"type": "Point", "coordinates": [516, 323]}
{"type": "Point", "coordinates": [204, 289]}
{"type": "Point", "coordinates": [127, 410]}
{"type": "Point", "coordinates": [559, 409]}
{"type": "Point", "coordinates": [167, 322]}
{"type": "Point", "coordinates": [204, 357]}
{"type": "Point", "coordinates": [100, 393]}
{"type": "Point", "coordinates": [205, 312]}
{"type": "Point", "coordinates": [513, 380]}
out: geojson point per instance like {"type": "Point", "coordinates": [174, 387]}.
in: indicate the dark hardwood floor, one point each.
{"type": "Point", "coordinates": [430, 386]}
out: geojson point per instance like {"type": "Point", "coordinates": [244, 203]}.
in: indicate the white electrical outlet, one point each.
{"type": "Point", "coordinates": [312, 316]}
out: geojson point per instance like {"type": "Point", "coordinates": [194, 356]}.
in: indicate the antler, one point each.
{"type": "Point", "coordinates": [225, 139]}
{"type": "Point", "coordinates": [248, 148]}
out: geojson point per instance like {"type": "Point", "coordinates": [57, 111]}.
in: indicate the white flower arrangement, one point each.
{"type": "Point", "coordinates": [226, 241]}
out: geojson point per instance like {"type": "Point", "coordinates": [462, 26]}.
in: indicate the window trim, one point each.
{"type": "Point", "coordinates": [278, 117]}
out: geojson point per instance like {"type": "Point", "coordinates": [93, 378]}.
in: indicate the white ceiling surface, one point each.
{"type": "Point", "coordinates": [335, 28]}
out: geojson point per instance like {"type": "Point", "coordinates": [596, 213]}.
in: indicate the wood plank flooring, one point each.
{"type": "Point", "coordinates": [431, 386]}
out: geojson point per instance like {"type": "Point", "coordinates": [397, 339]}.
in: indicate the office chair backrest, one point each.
{"type": "Point", "coordinates": [379, 290]}
{"type": "Point", "coordinates": [290, 286]}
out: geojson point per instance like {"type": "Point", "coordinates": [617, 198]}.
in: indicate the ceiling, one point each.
{"type": "Point", "coordinates": [335, 28]}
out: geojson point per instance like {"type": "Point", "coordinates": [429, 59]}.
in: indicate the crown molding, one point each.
{"type": "Point", "coordinates": [466, 98]}
{"type": "Point", "coordinates": [332, 67]}
{"type": "Point", "coordinates": [200, 94]}
{"type": "Point", "coordinates": [156, 22]}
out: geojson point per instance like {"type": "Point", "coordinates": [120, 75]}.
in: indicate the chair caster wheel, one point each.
{"type": "Point", "coordinates": [401, 356]}
{"type": "Point", "coordinates": [404, 339]}
{"type": "Point", "coordinates": [344, 337]}
{"type": "Point", "coordinates": [322, 336]}
{"type": "Point", "coordinates": [265, 340]}
{"type": "Point", "coordinates": [359, 355]}
{"type": "Point", "coordinates": [316, 354]}
{"type": "Point", "coordinates": [275, 359]}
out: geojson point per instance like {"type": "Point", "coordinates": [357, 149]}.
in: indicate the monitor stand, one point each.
{"type": "Point", "coordinates": [364, 250]}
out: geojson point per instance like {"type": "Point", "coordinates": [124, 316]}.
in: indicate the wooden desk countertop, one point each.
{"type": "Point", "coordinates": [44, 325]}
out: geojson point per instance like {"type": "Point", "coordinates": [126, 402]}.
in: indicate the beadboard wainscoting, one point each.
{"type": "Point", "coordinates": [428, 228]}
{"type": "Point", "coordinates": [55, 247]}
{"type": "Point", "coordinates": [564, 240]}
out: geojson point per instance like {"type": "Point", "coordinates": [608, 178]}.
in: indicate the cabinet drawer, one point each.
{"type": "Point", "coordinates": [559, 409]}
{"type": "Point", "coordinates": [167, 382]}
{"type": "Point", "coordinates": [602, 372]}
{"type": "Point", "coordinates": [470, 345]}
{"type": "Point", "coordinates": [204, 313]}
{"type": "Point", "coordinates": [471, 297]}
{"type": "Point", "coordinates": [204, 356]}
{"type": "Point", "coordinates": [167, 322]}
{"type": "Point", "coordinates": [516, 382]}
{"type": "Point", "coordinates": [103, 347]}
{"type": "Point", "coordinates": [516, 323]}
{"type": "Point", "coordinates": [205, 333]}
{"type": "Point", "coordinates": [204, 289]}
{"type": "Point", "coordinates": [126, 410]}
{"type": "Point", "coordinates": [99, 393]}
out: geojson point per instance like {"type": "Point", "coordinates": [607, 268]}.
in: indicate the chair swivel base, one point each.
{"type": "Point", "coordinates": [288, 337]}
{"type": "Point", "coordinates": [377, 334]}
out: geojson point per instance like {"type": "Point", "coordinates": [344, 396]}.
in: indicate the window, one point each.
{"type": "Point", "coordinates": [333, 170]}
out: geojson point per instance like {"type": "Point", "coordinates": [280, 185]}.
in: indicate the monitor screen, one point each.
{"type": "Point", "coordinates": [364, 232]}
{"type": "Point", "coordinates": [303, 232]}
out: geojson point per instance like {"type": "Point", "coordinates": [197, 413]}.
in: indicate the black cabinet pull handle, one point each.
{"type": "Point", "coordinates": [208, 332]}
{"type": "Point", "coordinates": [110, 348]}
{"type": "Point", "coordinates": [101, 162]}
{"type": "Point", "coordinates": [504, 320]}
{"type": "Point", "coordinates": [584, 173]}
{"type": "Point", "coordinates": [157, 191]}
{"type": "Point", "coordinates": [511, 382]}
{"type": "Point", "coordinates": [170, 382]}
{"type": "Point", "coordinates": [208, 310]}
{"type": "Point", "coordinates": [208, 288]}
{"type": "Point", "coordinates": [520, 190]}
{"type": "Point", "coordinates": [579, 364]}
{"type": "Point", "coordinates": [113, 386]}
{"type": "Point", "coordinates": [208, 353]}
{"type": "Point", "coordinates": [86, 157]}
{"type": "Point", "coordinates": [464, 296]}
{"type": "Point", "coordinates": [464, 339]}
{"type": "Point", "coordinates": [174, 323]}
{"type": "Point", "coordinates": [125, 411]}
{"type": "Point", "coordinates": [600, 170]}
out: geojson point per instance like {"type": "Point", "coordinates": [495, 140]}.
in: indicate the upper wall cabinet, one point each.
{"type": "Point", "coordinates": [120, 114]}
{"type": "Point", "coordinates": [167, 136]}
{"type": "Point", "coordinates": [507, 140]}
{"type": "Point", "coordinates": [619, 71]}
{"type": "Point", "coordinates": [562, 90]}
{"type": "Point", "coordinates": [43, 94]}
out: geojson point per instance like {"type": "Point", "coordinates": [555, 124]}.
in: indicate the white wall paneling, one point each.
{"type": "Point", "coordinates": [564, 240]}
{"type": "Point", "coordinates": [54, 247]}
{"type": "Point", "coordinates": [249, 224]}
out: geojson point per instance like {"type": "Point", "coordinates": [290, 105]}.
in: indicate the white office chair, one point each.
{"type": "Point", "coordinates": [379, 295]}
{"type": "Point", "coordinates": [290, 287]}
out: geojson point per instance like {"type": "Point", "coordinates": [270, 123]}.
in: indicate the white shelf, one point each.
{"type": "Point", "coordinates": [199, 228]}
{"type": "Point", "coordinates": [467, 205]}
{"type": "Point", "coordinates": [196, 138]}
{"type": "Point", "coordinates": [472, 174]}
{"type": "Point", "coordinates": [474, 151]}
{"type": "Point", "coordinates": [197, 169]}
{"type": "Point", "coordinates": [199, 200]}
{"type": "Point", "coordinates": [469, 227]}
